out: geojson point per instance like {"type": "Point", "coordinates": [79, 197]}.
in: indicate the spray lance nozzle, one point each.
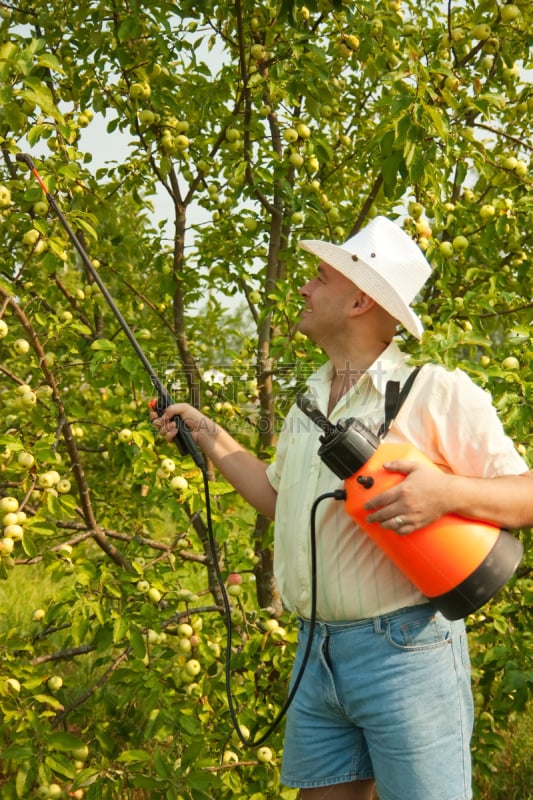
{"type": "Point", "coordinates": [346, 446]}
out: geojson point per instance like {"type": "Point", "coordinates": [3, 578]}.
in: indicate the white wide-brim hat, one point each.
{"type": "Point", "coordinates": [384, 262]}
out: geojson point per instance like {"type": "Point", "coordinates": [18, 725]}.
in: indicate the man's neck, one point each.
{"type": "Point", "coordinates": [349, 368]}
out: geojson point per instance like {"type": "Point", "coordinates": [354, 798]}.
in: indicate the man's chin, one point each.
{"type": "Point", "coordinates": [303, 326]}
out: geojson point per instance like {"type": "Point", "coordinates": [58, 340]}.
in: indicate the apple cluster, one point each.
{"type": "Point", "coordinates": [12, 520]}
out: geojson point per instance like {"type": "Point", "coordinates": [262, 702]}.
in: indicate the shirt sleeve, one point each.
{"type": "Point", "coordinates": [275, 468]}
{"type": "Point", "coordinates": [460, 426]}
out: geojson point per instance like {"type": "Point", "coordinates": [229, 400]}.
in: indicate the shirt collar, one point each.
{"type": "Point", "coordinates": [384, 368]}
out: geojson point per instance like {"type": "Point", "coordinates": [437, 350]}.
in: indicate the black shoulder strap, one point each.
{"type": "Point", "coordinates": [394, 399]}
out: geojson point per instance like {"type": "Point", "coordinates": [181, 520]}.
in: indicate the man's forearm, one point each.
{"type": "Point", "coordinates": [506, 501]}
{"type": "Point", "coordinates": [242, 469]}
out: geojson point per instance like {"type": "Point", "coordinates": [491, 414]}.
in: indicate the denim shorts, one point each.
{"type": "Point", "coordinates": [387, 698]}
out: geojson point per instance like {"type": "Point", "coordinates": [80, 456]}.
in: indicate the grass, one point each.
{"type": "Point", "coordinates": [512, 778]}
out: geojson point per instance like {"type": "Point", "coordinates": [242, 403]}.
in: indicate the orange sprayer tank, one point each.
{"type": "Point", "coordinates": [458, 564]}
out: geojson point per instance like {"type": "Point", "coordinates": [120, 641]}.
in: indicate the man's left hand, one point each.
{"type": "Point", "coordinates": [418, 500]}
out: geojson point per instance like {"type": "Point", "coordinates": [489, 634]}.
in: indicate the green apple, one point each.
{"type": "Point", "coordinates": [13, 685]}
{"type": "Point", "coordinates": [4, 330]}
{"type": "Point", "coordinates": [7, 546]}
{"type": "Point", "coordinates": [63, 486]}
{"type": "Point", "coordinates": [510, 363]}
{"type": "Point", "coordinates": [296, 160]}
{"type": "Point", "coordinates": [181, 141]}
{"type": "Point", "coordinates": [258, 52]}
{"type": "Point", "coordinates": [54, 683]}
{"type": "Point", "coordinates": [452, 83]}
{"type": "Point", "coordinates": [81, 753]}
{"type": "Point", "coordinates": [303, 131]}
{"type": "Point", "coordinates": [510, 162]}
{"type": "Point", "coordinates": [509, 12]}
{"type": "Point", "coordinates": [143, 586]}
{"type": "Point", "coordinates": [5, 197]}
{"type": "Point", "coordinates": [521, 168]}
{"type": "Point", "coordinates": [193, 667]}
{"type": "Point", "coordinates": [125, 435]}
{"type": "Point", "coordinates": [215, 649]}
{"type": "Point", "coordinates": [185, 630]}
{"type": "Point", "coordinates": [14, 531]}
{"type": "Point", "coordinates": [9, 504]}
{"type": "Point", "coordinates": [21, 347]}
{"type": "Point", "coordinates": [460, 243]}
{"type": "Point", "coordinates": [28, 399]}
{"type": "Point", "coordinates": [264, 755]}
{"type": "Point", "coordinates": [184, 645]}
{"type": "Point", "coordinates": [482, 32]}
{"type": "Point", "coordinates": [25, 459]}
{"type": "Point", "coordinates": [31, 237]}
{"type": "Point", "coordinates": [38, 615]}
{"type": "Point", "coordinates": [154, 594]}
{"type": "Point", "coordinates": [178, 483]}
{"type": "Point", "coordinates": [48, 479]}
{"type": "Point", "coordinates": [236, 616]}
{"type": "Point", "coordinates": [353, 42]}
{"type": "Point", "coordinates": [146, 116]}
{"type": "Point", "coordinates": [40, 208]}
{"type": "Point", "coordinates": [290, 135]}
{"type": "Point", "coordinates": [487, 211]}
{"type": "Point", "coordinates": [423, 228]}
{"type": "Point", "coordinates": [168, 465]}
{"type": "Point", "coordinates": [415, 209]}
{"type": "Point", "coordinates": [136, 91]}
{"type": "Point", "coordinates": [229, 757]}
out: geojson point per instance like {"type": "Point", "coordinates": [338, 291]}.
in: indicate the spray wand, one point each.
{"type": "Point", "coordinates": [184, 440]}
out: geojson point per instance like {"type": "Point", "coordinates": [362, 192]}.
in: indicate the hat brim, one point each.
{"type": "Point", "coordinates": [368, 280]}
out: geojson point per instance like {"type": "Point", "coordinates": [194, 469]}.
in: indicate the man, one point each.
{"type": "Point", "coordinates": [385, 698]}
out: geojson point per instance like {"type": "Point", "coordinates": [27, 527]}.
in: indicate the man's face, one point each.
{"type": "Point", "coordinates": [328, 298]}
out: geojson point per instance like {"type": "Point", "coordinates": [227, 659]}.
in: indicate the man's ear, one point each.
{"type": "Point", "coordinates": [362, 302]}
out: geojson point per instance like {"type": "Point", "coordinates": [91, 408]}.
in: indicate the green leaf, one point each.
{"type": "Point", "coordinates": [137, 642]}
{"type": "Point", "coordinates": [61, 765]}
{"type": "Point", "coordinates": [103, 344]}
{"type": "Point", "coordinates": [64, 741]}
{"type": "Point", "coordinates": [133, 756]}
{"type": "Point", "coordinates": [51, 62]}
{"type": "Point", "coordinates": [40, 526]}
{"type": "Point", "coordinates": [439, 121]}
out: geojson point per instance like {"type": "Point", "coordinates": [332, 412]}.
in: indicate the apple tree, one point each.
{"type": "Point", "coordinates": [253, 125]}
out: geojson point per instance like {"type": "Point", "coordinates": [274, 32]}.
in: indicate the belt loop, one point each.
{"type": "Point", "coordinates": [378, 626]}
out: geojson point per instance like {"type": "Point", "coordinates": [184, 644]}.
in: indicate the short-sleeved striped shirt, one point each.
{"type": "Point", "coordinates": [450, 419]}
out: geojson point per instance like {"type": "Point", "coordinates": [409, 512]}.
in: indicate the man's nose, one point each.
{"type": "Point", "coordinates": [306, 289]}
